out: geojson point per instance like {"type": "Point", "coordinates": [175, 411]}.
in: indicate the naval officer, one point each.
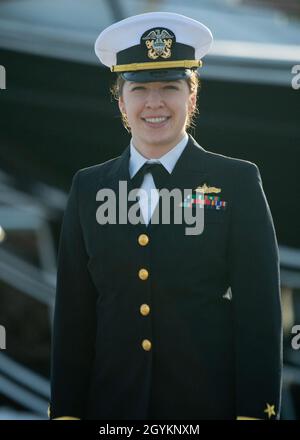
{"type": "Point", "coordinates": [150, 322]}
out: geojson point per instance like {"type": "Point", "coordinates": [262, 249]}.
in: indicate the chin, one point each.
{"type": "Point", "coordinates": [161, 140]}
{"type": "Point", "coordinates": [160, 137]}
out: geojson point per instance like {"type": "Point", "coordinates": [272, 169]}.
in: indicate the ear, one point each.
{"type": "Point", "coordinates": [121, 104]}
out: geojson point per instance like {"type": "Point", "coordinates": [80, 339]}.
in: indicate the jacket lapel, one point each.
{"type": "Point", "coordinates": [188, 173]}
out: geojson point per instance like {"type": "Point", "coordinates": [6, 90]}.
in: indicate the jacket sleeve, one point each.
{"type": "Point", "coordinates": [255, 284]}
{"type": "Point", "coordinates": [74, 325]}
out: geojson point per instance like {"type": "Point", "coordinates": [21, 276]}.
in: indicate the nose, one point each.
{"type": "Point", "coordinates": [154, 99]}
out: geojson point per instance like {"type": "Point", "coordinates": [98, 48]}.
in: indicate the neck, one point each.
{"type": "Point", "coordinates": [153, 150]}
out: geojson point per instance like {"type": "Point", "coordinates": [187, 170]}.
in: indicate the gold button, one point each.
{"type": "Point", "coordinates": [143, 239]}
{"type": "Point", "coordinates": [146, 344]}
{"type": "Point", "coordinates": [143, 274]}
{"type": "Point", "coordinates": [145, 309]}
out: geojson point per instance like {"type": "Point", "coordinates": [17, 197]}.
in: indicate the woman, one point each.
{"type": "Point", "coordinates": [152, 321]}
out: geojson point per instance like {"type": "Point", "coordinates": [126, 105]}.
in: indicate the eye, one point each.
{"type": "Point", "coordinates": [137, 88]}
{"type": "Point", "coordinates": [170, 87]}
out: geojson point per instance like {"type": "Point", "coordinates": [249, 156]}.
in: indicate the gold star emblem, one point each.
{"type": "Point", "coordinates": [270, 410]}
{"type": "Point", "coordinates": [207, 189]}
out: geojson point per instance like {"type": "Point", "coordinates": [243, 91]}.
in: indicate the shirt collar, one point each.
{"type": "Point", "coordinates": [168, 160]}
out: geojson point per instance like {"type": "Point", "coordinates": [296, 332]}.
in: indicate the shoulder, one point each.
{"type": "Point", "coordinates": [232, 169]}
{"type": "Point", "coordinates": [230, 164]}
{"type": "Point", "coordinates": [99, 170]}
{"type": "Point", "coordinates": [237, 175]}
{"type": "Point", "coordinates": [224, 164]}
{"type": "Point", "coordinates": [89, 175]}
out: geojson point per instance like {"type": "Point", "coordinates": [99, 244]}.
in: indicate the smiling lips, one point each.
{"type": "Point", "coordinates": [156, 121]}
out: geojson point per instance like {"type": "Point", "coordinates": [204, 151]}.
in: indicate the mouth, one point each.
{"type": "Point", "coordinates": [156, 122]}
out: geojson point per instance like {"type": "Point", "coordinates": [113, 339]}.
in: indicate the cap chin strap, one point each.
{"type": "Point", "coordinates": [133, 67]}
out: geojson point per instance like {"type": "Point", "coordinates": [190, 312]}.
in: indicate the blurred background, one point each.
{"type": "Point", "coordinates": [57, 116]}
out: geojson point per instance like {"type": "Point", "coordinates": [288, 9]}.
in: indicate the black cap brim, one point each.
{"type": "Point", "coordinates": [156, 75]}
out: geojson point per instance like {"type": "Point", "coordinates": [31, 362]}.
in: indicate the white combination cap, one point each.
{"type": "Point", "coordinates": [156, 46]}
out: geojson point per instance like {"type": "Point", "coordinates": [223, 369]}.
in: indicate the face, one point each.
{"type": "Point", "coordinates": [157, 112]}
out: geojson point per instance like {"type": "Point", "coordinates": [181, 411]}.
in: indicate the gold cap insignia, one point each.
{"type": "Point", "coordinates": [204, 189]}
{"type": "Point", "coordinates": [158, 43]}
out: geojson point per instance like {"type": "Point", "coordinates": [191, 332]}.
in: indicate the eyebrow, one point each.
{"type": "Point", "coordinates": [132, 84]}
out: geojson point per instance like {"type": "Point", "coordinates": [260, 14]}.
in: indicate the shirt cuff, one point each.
{"type": "Point", "coordinates": [66, 418]}
{"type": "Point", "coordinates": [247, 418]}
{"type": "Point", "coordinates": [62, 417]}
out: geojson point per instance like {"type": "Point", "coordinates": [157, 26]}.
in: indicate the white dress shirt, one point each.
{"type": "Point", "coordinates": [149, 196]}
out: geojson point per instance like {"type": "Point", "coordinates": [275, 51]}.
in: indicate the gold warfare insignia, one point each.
{"type": "Point", "coordinates": [159, 43]}
{"type": "Point", "coordinates": [204, 189]}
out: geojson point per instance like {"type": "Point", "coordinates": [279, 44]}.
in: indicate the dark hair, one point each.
{"type": "Point", "coordinates": [193, 83]}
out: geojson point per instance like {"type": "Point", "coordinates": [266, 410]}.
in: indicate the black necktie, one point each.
{"type": "Point", "coordinates": [158, 171]}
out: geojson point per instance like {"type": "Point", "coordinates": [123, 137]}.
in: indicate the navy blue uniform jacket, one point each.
{"type": "Point", "coordinates": [210, 356]}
